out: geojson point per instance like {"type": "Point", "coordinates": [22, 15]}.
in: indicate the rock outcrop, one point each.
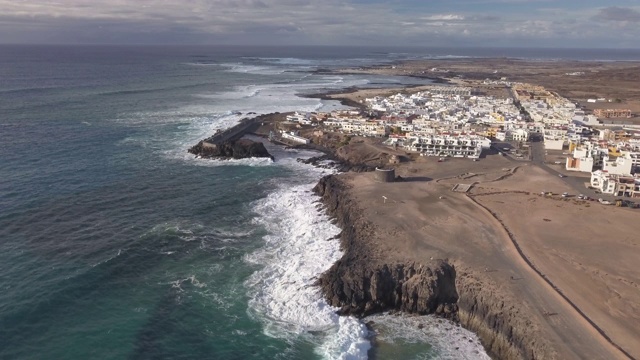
{"type": "Point", "coordinates": [337, 163]}
{"type": "Point", "coordinates": [360, 285]}
{"type": "Point", "coordinates": [362, 290]}
{"type": "Point", "coordinates": [231, 149]}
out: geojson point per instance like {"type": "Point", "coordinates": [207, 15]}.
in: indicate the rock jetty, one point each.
{"type": "Point", "coordinates": [230, 149]}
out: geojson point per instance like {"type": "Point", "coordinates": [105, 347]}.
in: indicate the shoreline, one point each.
{"type": "Point", "coordinates": [449, 288]}
{"type": "Point", "coordinates": [367, 280]}
{"type": "Point", "coordinates": [354, 285]}
{"type": "Point", "coordinates": [391, 265]}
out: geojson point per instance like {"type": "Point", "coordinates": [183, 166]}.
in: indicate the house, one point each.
{"type": "Point", "coordinates": [619, 166]}
{"type": "Point", "coordinates": [469, 146]}
{"type": "Point", "coordinates": [295, 138]}
{"type": "Point", "coordinates": [617, 185]}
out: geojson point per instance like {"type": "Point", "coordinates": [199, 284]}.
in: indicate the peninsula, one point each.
{"type": "Point", "coordinates": [489, 201]}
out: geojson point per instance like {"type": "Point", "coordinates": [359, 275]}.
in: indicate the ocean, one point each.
{"type": "Point", "coordinates": [116, 243]}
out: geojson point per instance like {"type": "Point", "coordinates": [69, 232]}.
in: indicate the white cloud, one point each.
{"type": "Point", "coordinates": [444, 17]}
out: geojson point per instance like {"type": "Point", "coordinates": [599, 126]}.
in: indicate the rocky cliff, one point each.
{"type": "Point", "coordinates": [230, 149]}
{"type": "Point", "coordinates": [360, 285]}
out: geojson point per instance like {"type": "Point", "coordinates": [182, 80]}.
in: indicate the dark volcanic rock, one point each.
{"type": "Point", "coordinates": [361, 287]}
{"type": "Point", "coordinates": [234, 149]}
{"type": "Point", "coordinates": [339, 164]}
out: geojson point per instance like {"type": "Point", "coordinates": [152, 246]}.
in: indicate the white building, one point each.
{"type": "Point", "coordinates": [295, 138]}
{"type": "Point", "coordinates": [304, 119]}
{"type": "Point", "coordinates": [518, 135]}
{"type": "Point", "coordinates": [619, 166]}
{"type": "Point", "coordinates": [554, 139]}
{"type": "Point", "coordinates": [617, 185]}
{"type": "Point", "coordinates": [464, 146]}
{"type": "Point", "coordinates": [585, 157]}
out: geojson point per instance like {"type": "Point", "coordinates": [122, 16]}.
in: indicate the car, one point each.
{"type": "Point", "coordinates": [581, 196]}
{"type": "Point", "coordinates": [565, 194]}
{"type": "Point", "coordinates": [562, 176]}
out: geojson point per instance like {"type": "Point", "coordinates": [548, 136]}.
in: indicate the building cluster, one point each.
{"type": "Point", "coordinates": [612, 157]}
{"type": "Point", "coordinates": [448, 121]}
{"type": "Point", "coordinates": [612, 113]}
{"type": "Point", "coordinates": [454, 121]}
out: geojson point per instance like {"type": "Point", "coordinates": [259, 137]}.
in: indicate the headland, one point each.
{"type": "Point", "coordinates": [494, 238]}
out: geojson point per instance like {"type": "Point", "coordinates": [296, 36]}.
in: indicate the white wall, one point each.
{"type": "Point", "coordinates": [553, 144]}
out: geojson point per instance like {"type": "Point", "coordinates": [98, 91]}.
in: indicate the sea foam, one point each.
{"type": "Point", "coordinates": [298, 248]}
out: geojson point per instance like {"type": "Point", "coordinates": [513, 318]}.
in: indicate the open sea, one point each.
{"type": "Point", "coordinates": [115, 243]}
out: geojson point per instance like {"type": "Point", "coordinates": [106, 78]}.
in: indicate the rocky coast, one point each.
{"type": "Point", "coordinates": [417, 247]}
{"type": "Point", "coordinates": [363, 283]}
{"type": "Point", "coordinates": [469, 257]}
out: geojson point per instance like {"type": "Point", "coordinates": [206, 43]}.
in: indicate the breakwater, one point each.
{"type": "Point", "coordinates": [229, 143]}
{"type": "Point", "coordinates": [245, 126]}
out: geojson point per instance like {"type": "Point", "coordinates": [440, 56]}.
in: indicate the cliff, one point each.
{"type": "Point", "coordinates": [361, 284]}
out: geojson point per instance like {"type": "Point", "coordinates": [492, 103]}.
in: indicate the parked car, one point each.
{"type": "Point", "coordinates": [562, 176]}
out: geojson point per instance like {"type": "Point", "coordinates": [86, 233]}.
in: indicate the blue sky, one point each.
{"type": "Point", "coordinates": [526, 23]}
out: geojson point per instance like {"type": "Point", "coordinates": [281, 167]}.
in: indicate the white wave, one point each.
{"type": "Point", "coordinates": [202, 64]}
{"type": "Point", "coordinates": [217, 111]}
{"type": "Point", "coordinates": [291, 61]}
{"type": "Point", "coordinates": [253, 162]}
{"type": "Point", "coordinates": [253, 69]}
{"type": "Point", "coordinates": [297, 250]}
{"type": "Point", "coordinates": [448, 340]}
{"type": "Point", "coordinates": [177, 284]}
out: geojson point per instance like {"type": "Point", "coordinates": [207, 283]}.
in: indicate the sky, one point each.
{"type": "Point", "coordinates": [473, 23]}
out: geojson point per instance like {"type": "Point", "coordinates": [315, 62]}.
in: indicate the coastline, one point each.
{"type": "Point", "coordinates": [362, 284]}
{"type": "Point", "coordinates": [371, 278]}
{"type": "Point", "coordinates": [453, 259]}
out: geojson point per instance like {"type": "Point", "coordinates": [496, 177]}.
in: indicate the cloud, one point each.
{"type": "Point", "coordinates": [444, 17]}
{"type": "Point", "coordinates": [327, 22]}
{"type": "Point", "coordinates": [614, 13]}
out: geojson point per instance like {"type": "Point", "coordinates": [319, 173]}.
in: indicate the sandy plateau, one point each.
{"type": "Point", "coordinates": [576, 277]}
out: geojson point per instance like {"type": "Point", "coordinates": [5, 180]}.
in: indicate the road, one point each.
{"type": "Point", "coordinates": [575, 182]}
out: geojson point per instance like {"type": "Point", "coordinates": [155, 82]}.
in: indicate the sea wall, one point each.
{"type": "Point", "coordinates": [228, 144]}
{"type": "Point", "coordinates": [360, 285]}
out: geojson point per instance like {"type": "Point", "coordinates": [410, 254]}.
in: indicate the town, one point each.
{"type": "Point", "coordinates": [526, 123]}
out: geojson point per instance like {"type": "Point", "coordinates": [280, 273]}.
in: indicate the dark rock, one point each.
{"type": "Point", "coordinates": [360, 288]}
{"type": "Point", "coordinates": [233, 149]}
{"type": "Point", "coordinates": [335, 162]}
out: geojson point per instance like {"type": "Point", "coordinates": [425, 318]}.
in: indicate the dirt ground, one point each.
{"type": "Point", "coordinates": [586, 250]}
